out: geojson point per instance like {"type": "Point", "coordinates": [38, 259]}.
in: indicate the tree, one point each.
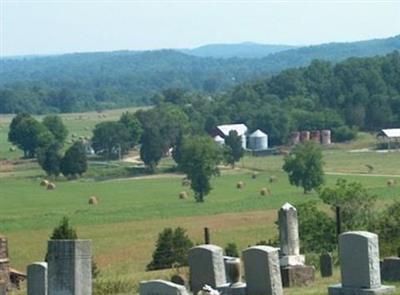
{"type": "Point", "coordinates": [200, 159]}
{"type": "Point", "coordinates": [355, 202]}
{"type": "Point", "coordinates": [28, 134]}
{"type": "Point", "coordinates": [64, 231]}
{"type": "Point", "coordinates": [304, 166]}
{"type": "Point", "coordinates": [151, 150]}
{"type": "Point", "coordinates": [171, 248]}
{"type": "Point", "coordinates": [388, 229]}
{"type": "Point", "coordinates": [74, 161]}
{"type": "Point", "coordinates": [231, 249]}
{"type": "Point", "coordinates": [56, 126]}
{"type": "Point", "coordinates": [233, 148]}
{"type": "Point", "coordinates": [111, 139]}
{"type": "Point", "coordinates": [49, 158]}
{"type": "Point", "coordinates": [131, 122]}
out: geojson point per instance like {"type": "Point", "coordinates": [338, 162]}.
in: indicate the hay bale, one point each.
{"type": "Point", "coordinates": [273, 179]}
{"type": "Point", "coordinates": [265, 191]}
{"type": "Point", "coordinates": [12, 149]}
{"type": "Point", "coordinates": [185, 182]}
{"type": "Point", "coordinates": [44, 182]}
{"type": "Point", "coordinates": [391, 182]}
{"type": "Point", "coordinates": [51, 186]}
{"type": "Point", "coordinates": [240, 185]}
{"type": "Point", "coordinates": [254, 175]}
{"type": "Point", "coordinates": [183, 195]}
{"type": "Point", "coordinates": [93, 200]}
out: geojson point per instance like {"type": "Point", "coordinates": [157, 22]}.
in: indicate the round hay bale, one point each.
{"type": "Point", "coordinates": [240, 185]}
{"type": "Point", "coordinates": [185, 182]}
{"type": "Point", "coordinates": [391, 182]}
{"type": "Point", "coordinates": [183, 195]}
{"type": "Point", "coordinates": [51, 186]}
{"type": "Point", "coordinates": [254, 175]}
{"type": "Point", "coordinates": [12, 149]}
{"type": "Point", "coordinates": [44, 182]}
{"type": "Point", "coordinates": [265, 191]}
{"type": "Point", "coordinates": [93, 200]}
{"type": "Point", "coordinates": [273, 179]}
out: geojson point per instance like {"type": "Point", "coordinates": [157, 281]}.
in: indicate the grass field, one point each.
{"type": "Point", "coordinates": [133, 210]}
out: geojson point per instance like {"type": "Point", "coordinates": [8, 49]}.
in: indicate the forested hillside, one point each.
{"type": "Point", "coordinates": [88, 81]}
{"type": "Point", "coordinates": [359, 93]}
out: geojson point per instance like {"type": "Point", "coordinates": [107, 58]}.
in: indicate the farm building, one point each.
{"type": "Point", "coordinates": [218, 139]}
{"type": "Point", "coordinates": [389, 138]}
{"type": "Point", "coordinates": [258, 141]}
{"type": "Point", "coordinates": [223, 131]}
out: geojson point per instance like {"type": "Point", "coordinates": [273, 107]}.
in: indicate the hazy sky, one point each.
{"type": "Point", "coordinates": [43, 27]}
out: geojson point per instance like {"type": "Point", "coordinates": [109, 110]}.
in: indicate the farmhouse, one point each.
{"type": "Point", "coordinates": [390, 138]}
{"type": "Point", "coordinates": [223, 131]}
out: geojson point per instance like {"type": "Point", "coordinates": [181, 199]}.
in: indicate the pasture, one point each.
{"type": "Point", "coordinates": [134, 209]}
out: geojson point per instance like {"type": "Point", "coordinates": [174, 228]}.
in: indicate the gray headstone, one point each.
{"type": "Point", "coordinates": [37, 278]}
{"type": "Point", "coordinates": [206, 265]}
{"type": "Point", "coordinates": [262, 271]}
{"type": "Point", "coordinates": [326, 266]}
{"type": "Point", "coordinates": [289, 230]}
{"type": "Point", "coordinates": [391, 269]}
{"type": "Point", "coordinates": [161, 287]}
{"type": "Point", "coordinates": [69, 267]}
{"type": "Point", "coordinates": [359, 265]}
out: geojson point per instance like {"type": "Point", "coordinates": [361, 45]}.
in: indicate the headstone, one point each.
{"type": "Point", "coordinates": [325, 265]}
{"type": "Point", "coordinates": [232, 267]}
{"type": "Point", "coordinates": [161, 287]}
{"type": "Point", "coordinates": [4, 265]}
{"type": "Point", "coordinates": [391, 269]}
{"type": "Point", "coordinates": [69, 267]}
{"type": "Point", "coordinates": [37, 278]}
{"type": "Point", "coordinates": [360, 270]}
{"type": "Point", "coordinates": [261, 266]}
{"type": "Point", "coordinates": [206, 265]}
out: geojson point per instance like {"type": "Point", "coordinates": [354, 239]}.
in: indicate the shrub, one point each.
{"type": "Point", "coordinates": [231, 250]}
{"type": "Point", "coordinates": [171, 248]}
{"type": "Point", "coordinates": [388, 229]}
{"type": "Point", "coordinates": [343, 133]}
{"type": "Point", "coordinates": [114, 286]}
{"type": "Point", "coordinates": [64, 231]}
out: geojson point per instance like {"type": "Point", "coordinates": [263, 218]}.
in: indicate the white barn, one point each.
{"type": "Point", "coordinates": [223, 131]}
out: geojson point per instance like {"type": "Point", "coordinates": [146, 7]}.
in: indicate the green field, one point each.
{"type": "Point", "coordinates": [134, 207]}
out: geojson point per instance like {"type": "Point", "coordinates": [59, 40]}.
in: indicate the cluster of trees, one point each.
{"type": "Point", "coordinates": [45, 140]}
{"type": "Point", "coordinates": [89, 81]}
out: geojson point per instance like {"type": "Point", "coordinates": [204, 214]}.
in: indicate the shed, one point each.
{"type": "Point", "coordinates": [389, 137]}
{"type": "Point", "coordinates": [258, 141]}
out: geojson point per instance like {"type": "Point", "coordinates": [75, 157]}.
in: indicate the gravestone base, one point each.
{"type": "Point", "coordinates": [339, 290]}
{"type": "Point", "coordinates": [237, 289]}
{"type": "Point", "coordinates": [292, 260]}
{"type": "Point", "coordinates": [297, 275]}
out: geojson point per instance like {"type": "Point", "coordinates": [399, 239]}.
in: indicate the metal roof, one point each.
{"type": "Point", "coordinates": [258, 133]}
{"type": "Point", "coordinates": [395, 132]}
{"type": "Point", "coordinates": [241, 129]}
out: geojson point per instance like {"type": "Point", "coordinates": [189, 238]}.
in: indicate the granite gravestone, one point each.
{"type": "Point", "coordinates": [37, 278]}
{"type": "Point", "coordinates": [161, 287]}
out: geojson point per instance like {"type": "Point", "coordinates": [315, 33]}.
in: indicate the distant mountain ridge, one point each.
{"type": "Point", "coordinates": [239, 50]}
{"type": "Point", "coordinates": [87, 81]}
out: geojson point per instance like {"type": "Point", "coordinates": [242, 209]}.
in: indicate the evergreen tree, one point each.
{"type": "Point", "coordinates": [64, 231]}
{"type": "Point", "coordinates": [74, 161]}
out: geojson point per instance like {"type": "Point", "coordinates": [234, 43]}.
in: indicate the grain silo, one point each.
{"type": "Point", "coordinates": [258, 141]}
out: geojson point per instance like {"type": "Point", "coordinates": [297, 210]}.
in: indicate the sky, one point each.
{"type": "Point", "coordinates": [54, 27]}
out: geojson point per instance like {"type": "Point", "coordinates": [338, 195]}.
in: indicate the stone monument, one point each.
{"type": "Point", "coordinates": [37, 278]}
{"type": "Point", "coordinates": [359, 265]}
{"type": "Point", "coordinates": [69, 267]}
{"type": "Point", "coordinates": [261, 266]}
{"type": "Point", "coordinates": [4, 265]}
{"type": "Point", "coordinates": [232, 267]}
{"type": "Point", "coordinates": [206, 267]}
{"type": "Point", "coordinates": [161, 287]}
{"type": "Point", "coordinates": [325, 265]}
{"type": "Point", "coordinates": [391, 269]}
{"type": "Point", "coordinates": [293, 270]}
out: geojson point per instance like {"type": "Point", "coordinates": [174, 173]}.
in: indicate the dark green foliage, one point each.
{"type": "Point", "coordinates": [304, 166]}
{"type": "Point", "coordinates": [231, 250]}
{"type": "Point", "coordinates": [111, 139]}
{"type": "Point", "coordinates": [131, 122]}
{"type": "Point", "coordinates": [29, 134]}
{"type": "Point", "coordinates": [316, 229]}
{"type": "Point", "coordinates": [64, 231]}
{"type": "Point", "coordinates": [233, 150]}
{"type": "Point", "coordinates": [151, 150]}
{"type": "Point", "coordinates": [356, 204]}
{"type": "Point", "coordinates": [56, 126]}
{"type": "Point", "coordinates": [49, 158]}
{"type": "Point", "coordinates": [74, 161]}
{"type": "Point", "coordinates": [171, 248]}
{"type": "Point", "coordinates": [199, 160]}
{"type": "Point", "coordinates": [343, 133]}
